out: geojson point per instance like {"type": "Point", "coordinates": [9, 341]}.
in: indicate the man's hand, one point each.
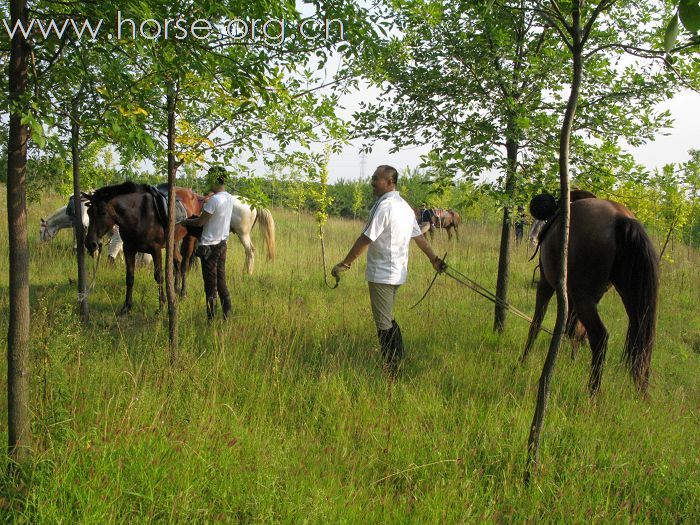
{"type": "Point", "coordinates": [338, 269]}
{"type": "Point", "coordinates": [439, 265]}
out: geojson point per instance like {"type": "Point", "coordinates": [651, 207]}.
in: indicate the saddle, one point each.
{"type": "Point", "coordinates": [70, 208]}
{"type": "Point", "coordinates": [160, 200]}
{"type": "Point", "coordinates": [574, 195]}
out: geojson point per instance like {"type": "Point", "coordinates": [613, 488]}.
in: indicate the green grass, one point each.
{"type": "Point", "coordinates": [283, 415]}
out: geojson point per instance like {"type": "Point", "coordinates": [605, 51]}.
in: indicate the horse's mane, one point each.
{"type": "Point", "coordinates": [57, 214]}
{"type": "Point", "coordinates": [109, 192]}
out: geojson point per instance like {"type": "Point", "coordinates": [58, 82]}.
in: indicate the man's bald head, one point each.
{"type": "Point", "coordinates": [384, 180]}
{"type": "Point", "coordinates": [388, 173]}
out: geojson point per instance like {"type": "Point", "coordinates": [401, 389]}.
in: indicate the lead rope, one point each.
{"type": "Point", "coordinates": [430, 286]}
{"type": "Point", "coordinates": [323, 257]}
{"type": "Point", "coordinates": [464, 280]}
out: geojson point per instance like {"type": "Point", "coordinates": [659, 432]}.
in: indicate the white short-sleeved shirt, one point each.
{"type": "Point", "coordinates": [217, 228]}
{"type": "Point", "coordinates": [391, 225]}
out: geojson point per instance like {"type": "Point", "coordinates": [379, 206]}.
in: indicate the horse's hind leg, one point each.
{"type": "Point", "coordinates": [544, 294]}
{"type": "Point", "coordinates": [575, 332]}
{"type": "Point", "coordinates": [186, 251]}
{"type": "Point", "coordinates": [587, 311]}
{"type": "Point", "coordinates": [249, 252]}
{"type": "Point", "coordinates": [456, 232]}
{"type": "Point", "coordinates": [130, 260]}
{"type": "Point", "coordinates": [158, 276]}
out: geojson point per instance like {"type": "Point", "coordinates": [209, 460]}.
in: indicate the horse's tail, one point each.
{"type": "Point", "coordinates": [636, 278]}
{"type": "Point", "coordinates": [267, 225]}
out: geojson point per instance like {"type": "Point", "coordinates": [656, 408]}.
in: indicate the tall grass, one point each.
{"type": "Point", "coordinates": [282, 413]}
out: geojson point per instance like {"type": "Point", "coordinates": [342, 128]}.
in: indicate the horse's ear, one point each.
{"type": "Point", "coordinates": [43, 221]}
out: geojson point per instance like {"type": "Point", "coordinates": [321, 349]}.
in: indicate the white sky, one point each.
{"type": "Point", "coordinates": [673, 147]}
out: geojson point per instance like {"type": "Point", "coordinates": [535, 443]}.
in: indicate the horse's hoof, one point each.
{"type": "Point", "coordinates": [125, 309]}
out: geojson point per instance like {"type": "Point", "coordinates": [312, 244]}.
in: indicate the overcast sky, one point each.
{"type": "Point", "coordinates": [685, 110]}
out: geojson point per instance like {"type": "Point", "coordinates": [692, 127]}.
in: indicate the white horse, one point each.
{"type": "Point", "coordinates": [535, 230]}
{"type": "Point", "coordinates": [243, 218]}
{"type": "Point", "coordinates": [59, 220]}
{"type": "Point", "coordinates": [116, 246]}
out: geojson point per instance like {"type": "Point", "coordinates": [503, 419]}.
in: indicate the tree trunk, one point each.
{"type": "Point", "coordinates": [18, 415]}
{"type": "Point", "coordinates": [78, 217]}
{"type": "Point", "coordinates": [170, 244]}
{"type": "Point", "coordinates": [533, 444]}
{"type": "Point", "coordinates": [499, 322]}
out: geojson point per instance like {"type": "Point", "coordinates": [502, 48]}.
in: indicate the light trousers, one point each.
{"type": "Point", "coordinates": [381, 297]}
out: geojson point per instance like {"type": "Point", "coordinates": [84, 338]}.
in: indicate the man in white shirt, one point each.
{"type": "Point", "coordinates": [389, 230]}
{"type": "Point", "coordinates": [216, 222]}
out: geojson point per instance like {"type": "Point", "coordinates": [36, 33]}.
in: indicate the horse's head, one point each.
{"type": "Point", "coordinates": [101, 222]}
{"type": "Point", "coordinates": [44, 233]}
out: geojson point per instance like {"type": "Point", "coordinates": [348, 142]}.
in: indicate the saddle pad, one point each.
{"type": "Point", "coordinates": [160, 196]}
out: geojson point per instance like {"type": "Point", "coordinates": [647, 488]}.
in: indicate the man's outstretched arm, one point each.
{"type": "Point", "coordinates": [424, 245]}
{"type": "Point", "coordinates": [360, 246]}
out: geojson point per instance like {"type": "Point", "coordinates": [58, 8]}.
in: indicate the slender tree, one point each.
{"type": "Point", "coordinates": [18, 413]}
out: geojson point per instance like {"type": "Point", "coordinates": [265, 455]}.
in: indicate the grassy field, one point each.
{"type": "Point", "coordinates": [282, 414]}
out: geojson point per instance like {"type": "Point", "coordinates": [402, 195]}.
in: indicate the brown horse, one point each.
{"type": "Point", "coordinates": [446, 219]}
{"type": "Point", "coordinates": [607, 246]}
{"type": "Point", "coordinates": [133, 208]}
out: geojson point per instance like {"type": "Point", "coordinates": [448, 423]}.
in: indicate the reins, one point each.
{"type": "Point", "coordinates": [464, 280]}
{"type": "Point", "coordinates": [429, 286]}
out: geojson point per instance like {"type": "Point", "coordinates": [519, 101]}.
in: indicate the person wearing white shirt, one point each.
{"type": "Point", "coordinates": [216, 222]}
{"type": "Point", "coordinates": [389, 230]}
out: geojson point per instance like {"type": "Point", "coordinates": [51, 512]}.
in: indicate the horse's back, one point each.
{"type": "Point", "coordinates": [242, 216]}
{"type": "Point", "coordinates": [592, 244]}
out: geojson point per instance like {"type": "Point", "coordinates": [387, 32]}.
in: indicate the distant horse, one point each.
{"type": "Point", "coordinates": [447, 219]}
{"type": "Point", "coordinates": [607, 246]}
{"type": "Point", "coordinates": [134, 209]}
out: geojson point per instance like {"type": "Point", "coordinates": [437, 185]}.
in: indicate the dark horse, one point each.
{"type": "Point", "coordinates": [133, 208]}
{"type": "Point", "coordinates": [607, 246]}
{"type": "Point", "coordinates": [447, 219]}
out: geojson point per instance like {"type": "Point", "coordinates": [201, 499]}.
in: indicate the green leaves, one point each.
{"type": "Point", "coordinates": [36, 130]}
{"type": "Point", "coordinates": [671, 33]}
{"type": "Point", "coordinates": [689, 13]}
